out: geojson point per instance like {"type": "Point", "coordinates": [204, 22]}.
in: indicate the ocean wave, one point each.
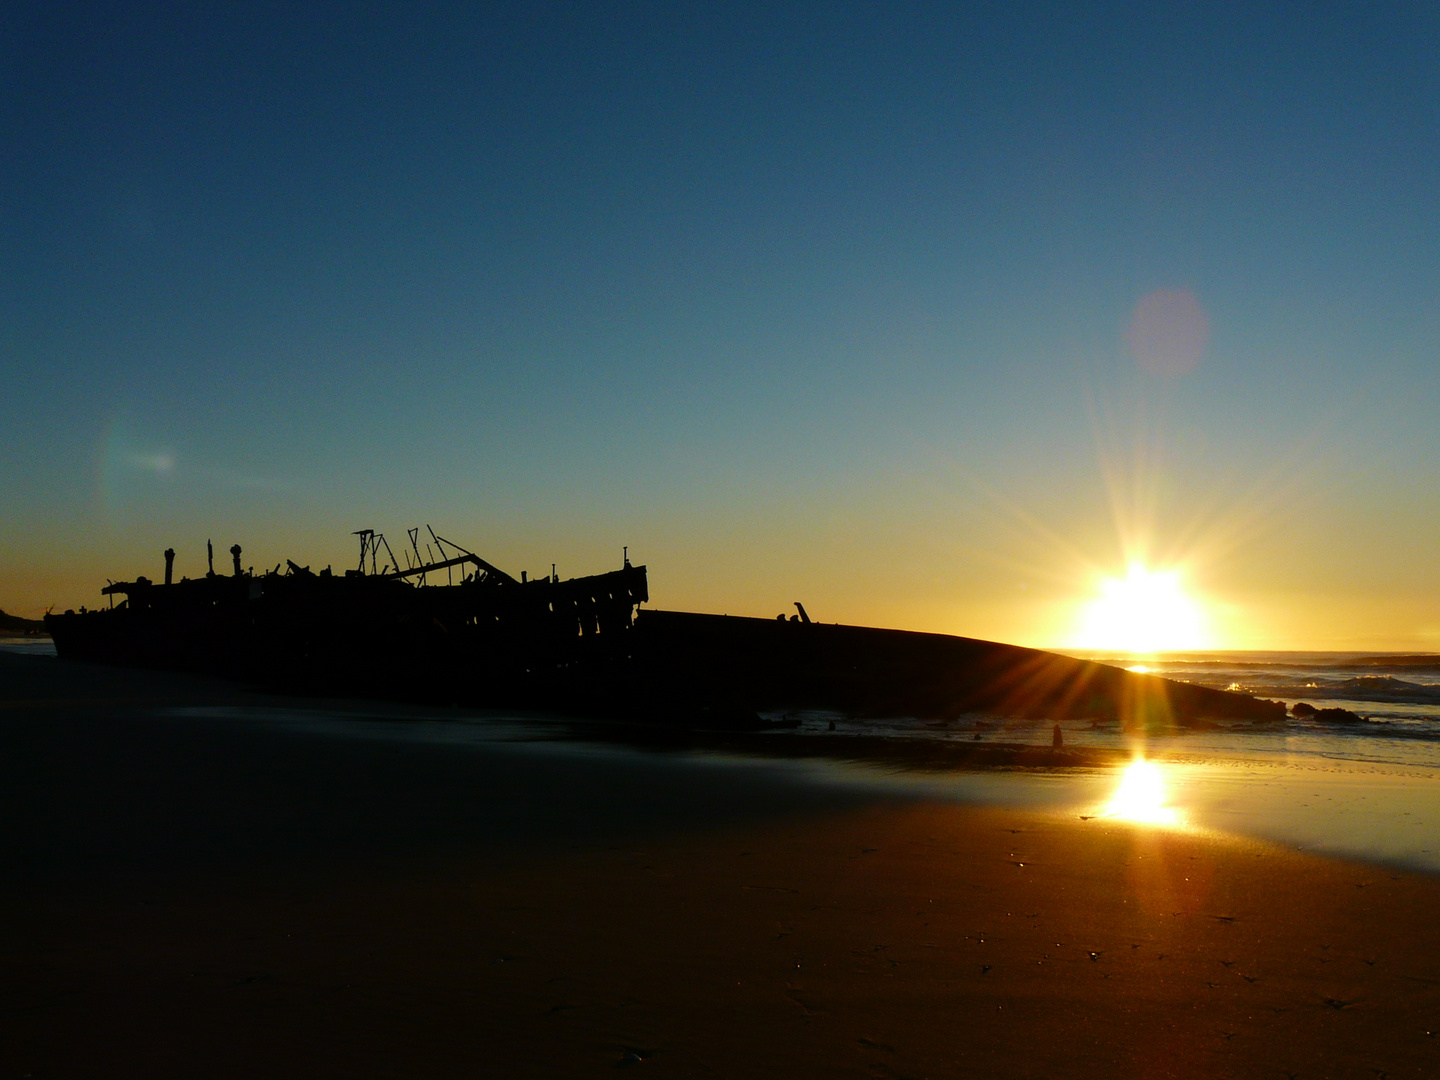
{"type": "Point", "coordinates": [1387, 684]}
{"type": "Point", "coordinates": [1310, 687]}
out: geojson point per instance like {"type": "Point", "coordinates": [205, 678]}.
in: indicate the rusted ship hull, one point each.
{"type": "Point", "coordinates": [482, 640]}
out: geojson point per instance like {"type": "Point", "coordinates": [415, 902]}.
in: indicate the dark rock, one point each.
{"type": "Point", "coordinates": [1337, 716]}
{"type": "Point", "coordinates": [1304, 711]}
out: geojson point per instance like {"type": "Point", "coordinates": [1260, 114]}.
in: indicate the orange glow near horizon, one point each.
{"type": "Point", "coordinates": [1146, 611]}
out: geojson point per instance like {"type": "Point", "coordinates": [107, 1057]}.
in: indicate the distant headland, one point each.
{"type": "Point", "coordinates": [14, 625]}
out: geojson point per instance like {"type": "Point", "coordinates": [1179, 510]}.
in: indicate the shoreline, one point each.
{"type": "Point", "coordinates": [1308, 792]}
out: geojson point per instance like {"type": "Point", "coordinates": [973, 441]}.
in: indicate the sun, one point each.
{"type": "Point", "coordinates": [1146, 611]}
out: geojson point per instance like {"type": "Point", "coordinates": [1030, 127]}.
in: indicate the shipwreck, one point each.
{"type": "Point", "coordinates": [447, 625]}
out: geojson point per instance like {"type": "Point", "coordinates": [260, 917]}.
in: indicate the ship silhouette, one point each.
{"type": "Point", "coordinates": [590, 646]}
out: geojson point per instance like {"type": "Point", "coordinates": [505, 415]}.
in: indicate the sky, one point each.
{"type": "Point", "coordinates": [933, 316]}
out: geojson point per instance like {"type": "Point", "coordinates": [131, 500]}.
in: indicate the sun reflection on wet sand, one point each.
{"type": "Point", "coordinates": [1141, 796]}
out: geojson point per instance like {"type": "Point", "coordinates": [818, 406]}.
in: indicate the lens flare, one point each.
{"type": "Point", "coordinates": [1141, 796]}
{"type": "Point", "coordinates": [1168, 333]}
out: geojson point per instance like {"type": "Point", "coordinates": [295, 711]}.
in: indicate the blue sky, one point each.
{"type": "Point", "coordinates": [828, 300]}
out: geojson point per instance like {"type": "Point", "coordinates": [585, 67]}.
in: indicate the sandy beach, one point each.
{"type": "Point", "coordinates": [224, 897]}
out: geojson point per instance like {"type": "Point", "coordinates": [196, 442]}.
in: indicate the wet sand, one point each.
{"type": "Point", "coordinates": [216, 897]}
